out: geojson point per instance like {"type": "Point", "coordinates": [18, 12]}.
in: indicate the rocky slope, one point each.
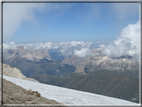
{"type": "Point", "coordinates": [14, 94]}
{"type": "Point", "coordinates": [24, 53]}
{"type": "Point", "coordinates": [14, 72]}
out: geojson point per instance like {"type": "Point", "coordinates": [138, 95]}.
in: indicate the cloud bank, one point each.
{"type": "Point", "coordinates": [9, 45]}
{"type": "Point", "coordinates": [78, 48]}
{"type": "Point", "coordinates": [127, 43]}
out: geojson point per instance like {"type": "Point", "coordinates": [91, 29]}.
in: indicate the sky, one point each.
{"type": "Point", "coordinates": [61, 22]}
{"type": "Point", "coordinates": [73, 28]}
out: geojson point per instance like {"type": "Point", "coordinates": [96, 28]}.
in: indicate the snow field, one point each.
{"type": "Point", "coordinates": [68, 96]}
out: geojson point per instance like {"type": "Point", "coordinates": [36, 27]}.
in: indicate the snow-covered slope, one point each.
{"type": "Point", "coordinates": [68, 96]}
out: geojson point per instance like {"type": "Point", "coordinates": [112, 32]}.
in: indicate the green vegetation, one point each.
{"type": "Point", "coordinates": [99, 82]}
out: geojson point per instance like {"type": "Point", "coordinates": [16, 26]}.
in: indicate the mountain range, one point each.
{"type": "Point", "coordinates": [95, 74]}
{"type": "Point", "coordinates": [35, 62]}
{"type": "Point", "coordinates": [82, 65]}
{"type": "Point", "coordinates": [102, 62]}
{"type": "Point", "coordinates": [22, 52]}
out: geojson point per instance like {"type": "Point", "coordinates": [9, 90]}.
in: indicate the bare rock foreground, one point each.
{"type": "Point", "coordinates": [14, 94]}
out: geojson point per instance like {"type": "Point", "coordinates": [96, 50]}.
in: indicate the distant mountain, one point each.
{"type": "Point", "coordinates": [102, 62]}
{"type": "Point", "coordinates": [99, 82]}
{"type": "Point", "coordinates": [39, 61]}
{"type": "Point", "coordinates": [10, 54]}
{"type": "Point", "coordinates": [32, 62]}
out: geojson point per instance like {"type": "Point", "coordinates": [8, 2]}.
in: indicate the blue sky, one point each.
{"type": "Point", "coordinates": [57, 22]}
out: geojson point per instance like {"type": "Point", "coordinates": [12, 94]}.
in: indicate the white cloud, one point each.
{"type": "Point", "coordinates": [65, 51]}
{"type": "Point", "coordinates": [68, 48]}
{"type": "Point", "coordinates": [10, 45]}
{"type": "Point", "coordinates": [102, 46]}
{"type": "Point", "coordinates": [40, 46]}
{"type": "Point", "coordinates": [127, 43]}
{"type": "Point", "coordinates": [83, 52]}
{"type": "Point", "coordinates": [65, 48]}
{"type": "Point", "coordinates": [15, 13]}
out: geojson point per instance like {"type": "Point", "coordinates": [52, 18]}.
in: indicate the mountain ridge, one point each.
{"type": "Point", "coordinates": [101, 62]}
{"type": "Point", "coordinates": [97, 62]}
{"type": "Point", "coordinates": [24, 53]}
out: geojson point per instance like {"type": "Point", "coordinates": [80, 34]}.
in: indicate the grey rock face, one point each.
{"type": "Point", "coordinates": [101, 62]}
{"type": "Point", "coordinates": [14, 72]}
{"type": "Point", "coordinates": [22, 52]}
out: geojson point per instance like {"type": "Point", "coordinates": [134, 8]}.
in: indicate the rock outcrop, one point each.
{"type": "Point", "coordinates": [14, 94]}
{"type": "Point", "coordinates": [14, 72]}
{"type": "Point", "coordinates": [34, 93]}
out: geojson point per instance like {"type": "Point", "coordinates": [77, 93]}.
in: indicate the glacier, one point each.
{"type": "Point", "coordinates": [69, 96]}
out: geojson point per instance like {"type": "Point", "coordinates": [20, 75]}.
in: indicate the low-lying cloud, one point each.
{"type": "Point", "coordinates": [78, 48]}
{"type": "Point", "coordinates": [127, 43]}
{"type": "Point", "coordinates": [83, 52]}
{"type": "Point", "coordinates": [9, 45]}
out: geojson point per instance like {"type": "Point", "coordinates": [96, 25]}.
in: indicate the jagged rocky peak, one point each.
{"type": "Point", "coordinates": [42, 54]}
{"type": "Point", "coordinates": [74, 57]}
{"type": "Point", "coordinates": [21, 47]}
{"type": "Point", "coordinates": [28, 54]}
{"type": "Point", "coordinates": [102, 62]}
